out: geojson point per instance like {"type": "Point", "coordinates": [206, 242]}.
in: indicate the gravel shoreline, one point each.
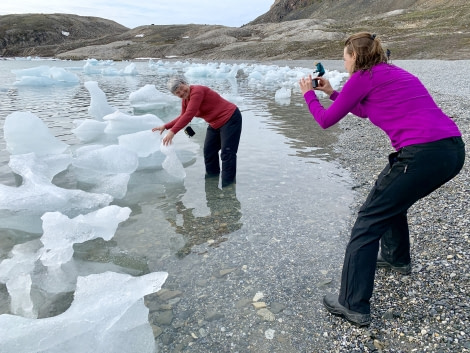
{"type": "Point", "coordinates": [428, 311]}
{"type": "Point", "coordinates": [264, 296]}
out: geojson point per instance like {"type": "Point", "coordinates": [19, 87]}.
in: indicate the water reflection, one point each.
{"type": "Point", "coordinates": [305, 136]}
{"type": "Point", "coordinates": [224, 217]}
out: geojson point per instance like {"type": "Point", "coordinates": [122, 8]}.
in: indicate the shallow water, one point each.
{"type": "Point", "coordinates": [288, 184]}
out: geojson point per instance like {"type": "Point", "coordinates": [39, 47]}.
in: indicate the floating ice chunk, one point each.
{"type": "Point", "coordinates": [283, 93]}
{"type": "Point", "coordinates": [56, 163]}
{"type": "Point", "coordinates": [15, 272]}
{"type": "Point", "coordinates": [42, 168]}
{"type": "Point", "coordinates": [161, 67]}
{"type": "Point", "coordinates": [172, 163]}
{"type": "Point", "coordinates": [212, 70]}
{"type": "Point", "coordinates": [99, 106]}
{"type": "Point", "coordinates": [107, 315]}
{"type": "Point", "coordinates": [90, 69]}
{"type": "Point", "coordinates": [106, 68]}
{"type": "Point", "coordinates": [149, 97]}
{"type": "Point", "coordinates": [24, 133]}
{"type": "Point", "coordinates": [105, 169]}
{"type": "Point", "coordinates": [114, 185]}
{"type": "Point", "coordinates": [21, 207]}
{"type": "Point", "coordinates": [21, 261]}
{"type": "Point", "coordinates": [61, 232]}
{"type": "Point", "coordinates": [282, 96]}
{"type": "Point", "coordinates": [19, 289]}
{"type": "Point", "coordinates": [44, 76]}
{"type": "Point", "coordinates": [112, 159]}
{"type": "Point", "coordinates": [121, 124]}
{"type": "Point", "coordinates": [129, 70]}
{"type": "Point", "coordinates": [93, 66]}
{"type": "Point", "coordinates": [143, 143]}
{"type": "Point", "coordinates": [89, 130]}
{"type": "Point", "coordinates": [152, 162]}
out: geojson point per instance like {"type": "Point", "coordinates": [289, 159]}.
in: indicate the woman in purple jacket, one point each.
{"type": "Point", "coordinates": [429, 152]}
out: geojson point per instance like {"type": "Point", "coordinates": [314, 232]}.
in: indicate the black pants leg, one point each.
{"type": "Point", "coordinates": [211, 151]}
{"type": "Point", "coordinates": [395, 242]}
{"type": "Point", "coordinates": [225, 139]}
{"type": "Point", "coordinates": [413, 172]}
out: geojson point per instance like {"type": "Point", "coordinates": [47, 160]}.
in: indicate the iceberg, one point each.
{"type": "Point", "coordinates": [24, 132]}
{"type": "Point", "coordinates": [99, 106]}
{"type": "Point", "coordinates": [107, 314]}
{"type": "Point", "coordinates": [21, 207]}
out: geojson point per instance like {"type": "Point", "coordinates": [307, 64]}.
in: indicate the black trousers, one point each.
{"type": "Point", "coordinates": [226, 140]}
{"type": "Point", "coordinates": [412, 173]}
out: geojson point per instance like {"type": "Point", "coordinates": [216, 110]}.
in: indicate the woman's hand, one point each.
{"type": "Point", "coordinates": [159, 128]}
{"type": "Point", "coordinates": [168, 138]}
{"type": "Point", "coordinates": [306, 84]}
{"type": "Point", "coordinates": [324, 85]}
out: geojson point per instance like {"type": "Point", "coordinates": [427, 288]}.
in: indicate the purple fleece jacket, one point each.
{"type": "Point", "coordinates": [394, 100]}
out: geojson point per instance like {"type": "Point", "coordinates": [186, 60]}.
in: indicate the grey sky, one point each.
{"type": "Point", "coordinates": [131, 13]}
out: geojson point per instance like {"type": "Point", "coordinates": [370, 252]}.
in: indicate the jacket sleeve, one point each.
{"type": "Point", "coordinates": [188, 111]}
{"type": "Point", "coordinates": [348, 101]}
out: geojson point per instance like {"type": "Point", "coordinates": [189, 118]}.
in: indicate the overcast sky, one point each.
{"type": "Point", "coordinates": [134, 13]}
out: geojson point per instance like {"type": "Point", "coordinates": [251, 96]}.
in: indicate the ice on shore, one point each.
{"type": "Point", "coordinates": [107, 315]}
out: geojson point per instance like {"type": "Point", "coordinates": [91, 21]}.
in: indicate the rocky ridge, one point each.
{"type": "Point", "coordinates": [291, 29]}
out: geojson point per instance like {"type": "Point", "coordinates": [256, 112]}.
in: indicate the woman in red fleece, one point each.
{"type": "Point", "coordinates": [223, 132]}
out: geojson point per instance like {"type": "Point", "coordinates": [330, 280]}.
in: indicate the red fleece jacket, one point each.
{"type": "Point", "coordinates": [203, 103]}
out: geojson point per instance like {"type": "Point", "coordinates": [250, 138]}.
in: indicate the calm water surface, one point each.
{"type": "Point", "coordinates": [288, 184]}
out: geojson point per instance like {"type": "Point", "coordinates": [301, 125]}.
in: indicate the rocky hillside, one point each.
{"type": "Point", "coordinates": [291, 29]}
{"type": "Point", "coordinates": [47, 35]}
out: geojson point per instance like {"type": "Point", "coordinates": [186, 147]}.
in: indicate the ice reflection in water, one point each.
{"type": "Point", "coordinates": [288, 186]}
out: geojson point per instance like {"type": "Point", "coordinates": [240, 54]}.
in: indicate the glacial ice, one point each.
{"type": "Point", "coordinates": [44, 76]}
{"type": "Point", "coordinates": [99, 106]}
{"type": "Point", "coordinates": [21, 207]}
{"type": "Point", "coordinates": [107, 315]}
{"type": "Point", "coordinates": [24, 132]}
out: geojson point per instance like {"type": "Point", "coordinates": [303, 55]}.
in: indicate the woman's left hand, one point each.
{"type": "Point", "coordinates": [168, 138]}
{"type": "Point", "coordinates": [306, 84]}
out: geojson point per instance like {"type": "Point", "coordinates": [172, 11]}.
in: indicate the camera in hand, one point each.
{"type": "Point", "coordinates": [315, 83]}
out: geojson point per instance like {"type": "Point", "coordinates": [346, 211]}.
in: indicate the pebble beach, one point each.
{"type": "Point", "coordinates": [429, 310]}
{"type": "Point", "coordinates": [248, 297]}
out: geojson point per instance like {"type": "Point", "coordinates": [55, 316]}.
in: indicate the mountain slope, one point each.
{"type": "Point", "coordinates": [47, 34]}
{"type": "Point", "coordinates": [291, 29]}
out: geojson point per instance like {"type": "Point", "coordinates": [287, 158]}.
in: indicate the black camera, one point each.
{"type": "Point", "coordinates": [315, 83]}
{"type": "Point", "coordinates": [189, 131]}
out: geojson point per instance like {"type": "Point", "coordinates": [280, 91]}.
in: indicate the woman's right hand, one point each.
{"type": "Point", "coordinates": [324, 86]}
{"type": "Point", "coordinates": [159, 128]}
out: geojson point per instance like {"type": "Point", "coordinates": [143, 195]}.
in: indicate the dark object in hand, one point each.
{"type": "Point", "coordinates": [189, 131]}
{"type": "Point", "coordinates": [314, 83]}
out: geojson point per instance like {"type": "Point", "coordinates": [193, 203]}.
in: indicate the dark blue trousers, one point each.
{"type": "Point", "coordinates": [226, 140]}
{"type": "Point", "coordinates": [412, 173]}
